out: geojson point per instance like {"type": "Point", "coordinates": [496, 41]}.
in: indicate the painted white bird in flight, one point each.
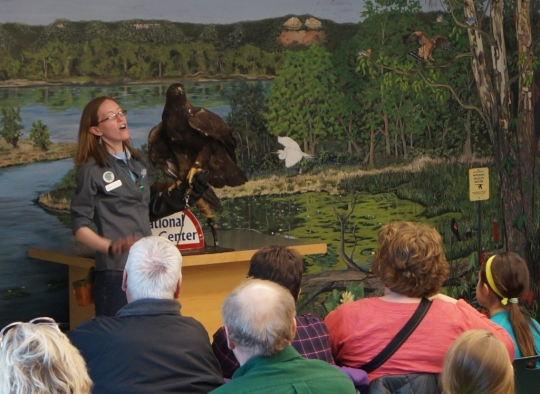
{"type": "Point", "coordinates": [292, 153]}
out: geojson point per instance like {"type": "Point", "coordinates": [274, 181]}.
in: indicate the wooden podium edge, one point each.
{"type": "Point", "coordinates": [188, 261]}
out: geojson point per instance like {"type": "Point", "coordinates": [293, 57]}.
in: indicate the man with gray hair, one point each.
{"type": "Point", "coordinates": [259, 324]}
{"type": "Point", "coordinates": [149, 347]}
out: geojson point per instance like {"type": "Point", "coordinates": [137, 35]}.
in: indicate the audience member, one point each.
{"type": "Point", "coordinates": [283, 266]}
{"type": "Point", "coordinates": [477, 363]}
{"type": "Point", "coordinates": [502, 280]}
{"type": "Point", "coordinates": [37, 357]}
{"type": "Point", "coordinates": [259, 324]}
{"type": "Point", "coordinates": [411, 264]}
{"type": "Point", "coordinates": [149, 347]}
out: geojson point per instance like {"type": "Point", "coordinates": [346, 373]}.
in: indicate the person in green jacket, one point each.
{"type": "Point", "coordinates": [259, 324]}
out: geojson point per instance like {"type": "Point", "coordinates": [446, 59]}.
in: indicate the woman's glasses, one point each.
{"type": "Point", "coordinates": [122, 112]}
{"type": "Point", "coordinates": [40, 321]}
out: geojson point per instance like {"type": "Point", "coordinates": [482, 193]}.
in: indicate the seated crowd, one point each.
{"type": "Point", "coordinates": [412, 338]}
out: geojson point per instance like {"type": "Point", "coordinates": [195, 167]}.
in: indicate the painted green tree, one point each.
{"type": "Point", "coordinates": [10, 129]}
{"type": "Point", "coordinates": [246, 120]}
{"type": "Point", "coordinates": [350, 109]}
{"type": "Point", "coordinates": [39, 134]}
{"type": "Point", "coordinates": [303, 98]}
{"type": "Point", "coordinates": [9, 66]}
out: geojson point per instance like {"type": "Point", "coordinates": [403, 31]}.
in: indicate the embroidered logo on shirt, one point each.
{"type": "Point", "coordinates": [108, 176]}
{"type": "Point", "coordinates": [114, 185]}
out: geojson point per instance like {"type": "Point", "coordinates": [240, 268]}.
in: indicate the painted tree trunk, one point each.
{"type": "Point", "coordinates": [386, 134]}
{"type": "Point", "coordinates": [525, 127]}
{"type": "Point", "coordinates": [371, 147]}
{"type": "Point", "coordinates": [467, 148]}
{"type": "Point", "coordinates": [402, 135]}
{"type": "Point", "coordinates": [494, 96]}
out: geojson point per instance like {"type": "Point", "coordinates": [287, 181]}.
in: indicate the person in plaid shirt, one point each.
{"type": "Point", "coordinates": [283, 266]}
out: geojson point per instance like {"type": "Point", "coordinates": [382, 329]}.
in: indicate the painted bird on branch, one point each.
{"type": "Point", "coordinates": [455, 228]}
{"type": "Point", "coordinates": [440, 19]}
{"type": "Point", "coordinates": [191, 140]}
{"type": "Point", "coordinates": [366, 53]}
{"type": "Point", "coordinates": [427, 45]}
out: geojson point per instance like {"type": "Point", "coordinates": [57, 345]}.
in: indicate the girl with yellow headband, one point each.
{"type": "Point", "coordinates": [502, 280]}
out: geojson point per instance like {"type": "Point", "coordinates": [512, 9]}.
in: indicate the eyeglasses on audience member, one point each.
{"type": "Point", "coordinates": [40, 321]}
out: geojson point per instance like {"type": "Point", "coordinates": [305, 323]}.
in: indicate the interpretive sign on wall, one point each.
{"type": "Point", "coordinates": [479, 184]}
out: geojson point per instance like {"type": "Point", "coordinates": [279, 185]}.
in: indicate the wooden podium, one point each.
{"type": "Point", "coordinates": [206, 278]}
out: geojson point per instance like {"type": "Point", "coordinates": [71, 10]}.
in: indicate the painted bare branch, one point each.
{"type": "Point", "coordinates": [343, 220]}
{"type": "Point", "coordinates": [315, 284]}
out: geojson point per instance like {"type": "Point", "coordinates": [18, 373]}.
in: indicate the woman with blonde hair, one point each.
{"type": "Point", "coordinates": [477, 363]}
{"type": "Point", "coordinates": [502, 280]}
{"type": "Point", "coordinates": [36, 357]}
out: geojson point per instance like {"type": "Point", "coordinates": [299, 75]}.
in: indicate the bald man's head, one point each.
{"type": "Point", "coordinates": [259, 316]}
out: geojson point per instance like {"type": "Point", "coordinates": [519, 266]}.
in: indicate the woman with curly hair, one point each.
{"type": "Point", "coordinates": [37, 357]}
{"type": "Point", "coordinates": [411, 264]}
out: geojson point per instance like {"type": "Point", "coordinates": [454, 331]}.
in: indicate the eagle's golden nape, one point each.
{"type": "Point", "coordinates": [191, 139]}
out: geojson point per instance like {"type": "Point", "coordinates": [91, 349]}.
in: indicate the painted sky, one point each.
{"type": "Point", "coordinates": [43, 12]}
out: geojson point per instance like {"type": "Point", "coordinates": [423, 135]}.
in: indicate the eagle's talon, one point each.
{"type": "Point", "coordinates": [191, 174]}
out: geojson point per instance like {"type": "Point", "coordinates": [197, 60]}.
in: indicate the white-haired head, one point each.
{"type": "Point", "coordinates": [153, 269]}
{"type": "Point", "coordinates": [41, 359]}
{"type": "Point", "coordinates": [259, 317]}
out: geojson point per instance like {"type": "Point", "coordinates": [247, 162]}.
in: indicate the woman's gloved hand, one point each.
{"type": "Point", "coordinates": [178, 196]}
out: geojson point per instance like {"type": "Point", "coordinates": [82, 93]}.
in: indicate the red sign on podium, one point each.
{"type": "Point", "coordinates": [182, 228]}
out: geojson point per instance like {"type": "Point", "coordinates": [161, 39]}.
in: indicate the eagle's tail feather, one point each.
{"type": "Point", "coordinates": [205, 210]}
{"type": "Point", "coordinates": [212, 199]}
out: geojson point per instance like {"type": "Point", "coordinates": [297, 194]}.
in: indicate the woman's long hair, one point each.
{"type": "Point", "coordinates": [511, 278]}
{"type": "Point", "coordinates": [91, 145]}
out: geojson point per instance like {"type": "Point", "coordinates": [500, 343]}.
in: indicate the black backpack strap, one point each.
{"type": "Point", "coordinates": [400, 337]}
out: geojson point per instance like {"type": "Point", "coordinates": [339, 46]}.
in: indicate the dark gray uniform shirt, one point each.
{"type": "Point", "coordinates": [110, 198]}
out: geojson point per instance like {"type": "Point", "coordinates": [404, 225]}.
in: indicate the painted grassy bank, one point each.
{"type": "Point", "coordinates": [433, 194]}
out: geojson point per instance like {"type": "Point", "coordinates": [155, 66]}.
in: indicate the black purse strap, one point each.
{"type": "Point", "coordinates": [400, 337]}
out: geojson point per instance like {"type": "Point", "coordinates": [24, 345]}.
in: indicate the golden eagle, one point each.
{"type": "Point", "coordinates": [427, 45]}
{"type": "Point", "coordinates": [191, 139]}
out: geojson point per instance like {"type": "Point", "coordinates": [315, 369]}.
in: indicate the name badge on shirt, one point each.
{"type": "Point", "coordinates": [114, 185]}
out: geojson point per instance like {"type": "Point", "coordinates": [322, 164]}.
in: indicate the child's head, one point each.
{"type": "Point", "coordinates": [477, 363]}
{"type": "Point", "coordinates": [506, 275]}
{"type": "Point", "coordinates": [502, 280]}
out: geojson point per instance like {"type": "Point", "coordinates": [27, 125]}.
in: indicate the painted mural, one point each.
{"type": "Point", "coordinates": [340, 129]}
